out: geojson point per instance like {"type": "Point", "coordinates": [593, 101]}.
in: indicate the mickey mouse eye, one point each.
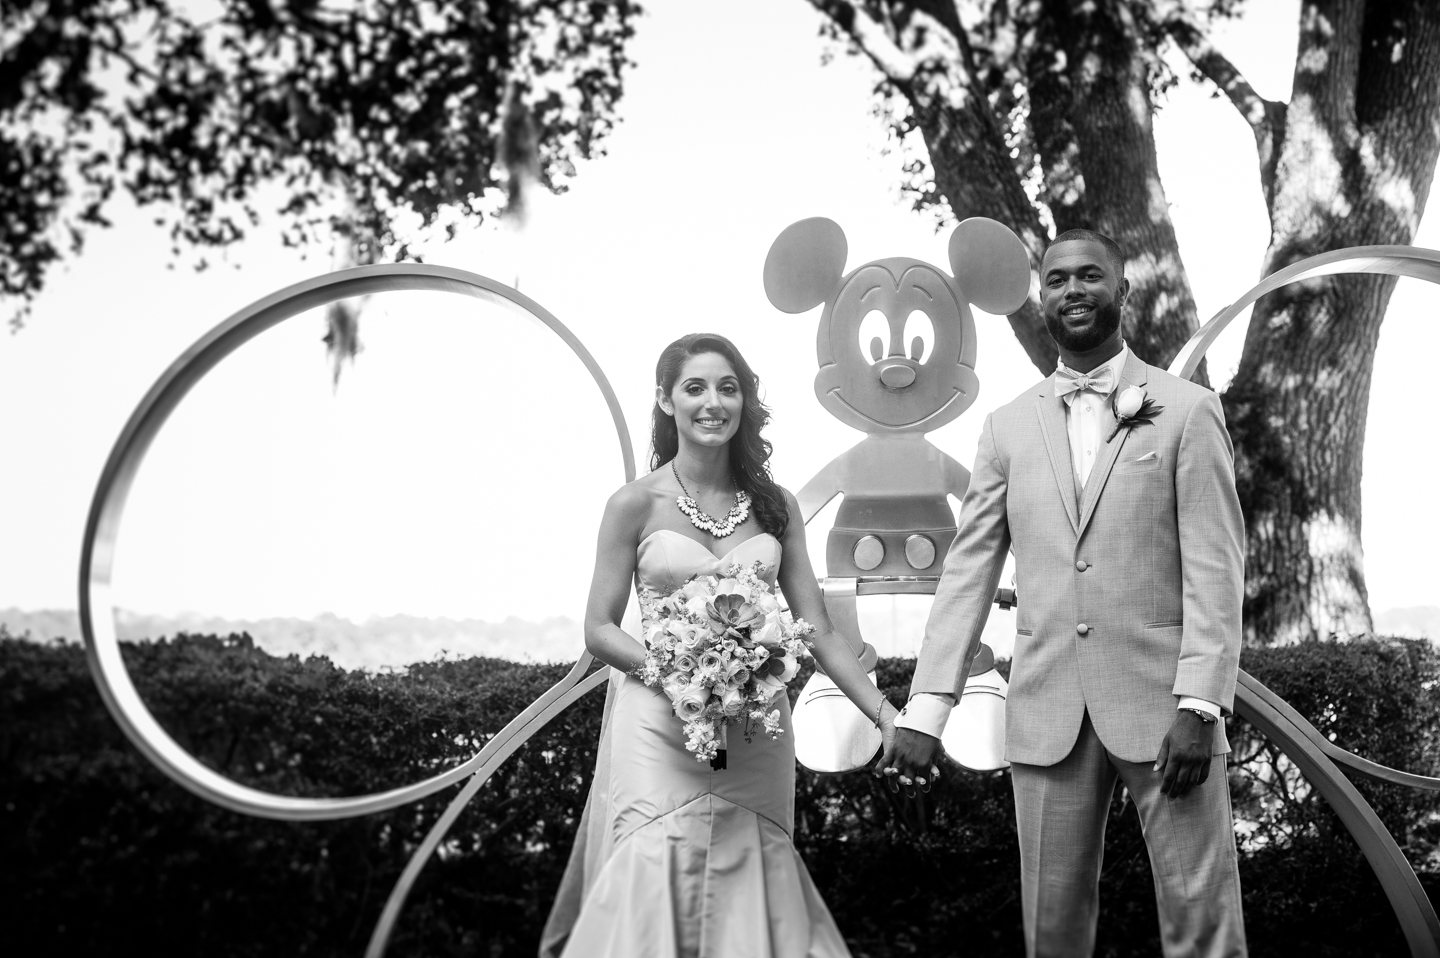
{"type": "Point", "coordinates": [874, 337]}
{"type": "Point", "coordinates": [920, 335]}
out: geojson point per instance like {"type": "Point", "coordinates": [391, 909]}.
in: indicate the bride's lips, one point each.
{"type": "Point", "coordinates": [711, 423]}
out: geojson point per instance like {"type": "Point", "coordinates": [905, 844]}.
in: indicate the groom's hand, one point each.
{"type": "Point", "coordinates": [910, 761]}
{"type": "Point", "coordinates": [1184, 759]}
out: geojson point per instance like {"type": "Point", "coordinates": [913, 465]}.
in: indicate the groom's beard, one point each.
{"type": "Point", "coordinates": [1107, 320]}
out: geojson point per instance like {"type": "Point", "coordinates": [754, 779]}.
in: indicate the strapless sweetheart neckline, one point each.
{"type": "Point", "coordinates": [699, 545]}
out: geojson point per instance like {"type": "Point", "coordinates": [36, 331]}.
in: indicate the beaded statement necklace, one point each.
{"type": "Point", "coordinates": [719, 528]}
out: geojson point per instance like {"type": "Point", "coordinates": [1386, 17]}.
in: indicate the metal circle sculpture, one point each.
{"type": "Point", "coordinates": [103, 525]}
{"type": "Point", "coordinates": [1314, 754]}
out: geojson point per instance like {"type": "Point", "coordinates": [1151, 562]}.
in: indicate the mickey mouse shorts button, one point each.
{"type": "Point", "coordinates": [919, 552]}
{"type": "Point", "coordinates": [869, 552]}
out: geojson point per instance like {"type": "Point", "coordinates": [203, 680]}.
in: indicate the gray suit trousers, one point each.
{"type": "Point", "coordinates": [1060, 812]}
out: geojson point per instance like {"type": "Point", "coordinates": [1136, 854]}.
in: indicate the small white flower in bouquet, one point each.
{"type": "Point", "coordinates": [721, 649]}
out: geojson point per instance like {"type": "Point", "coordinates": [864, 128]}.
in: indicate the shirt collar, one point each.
{"type": "Point", "coordinates": [1115, 363]}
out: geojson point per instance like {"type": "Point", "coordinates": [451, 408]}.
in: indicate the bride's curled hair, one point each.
{"type": "Point", "coordinates": [749, 451]}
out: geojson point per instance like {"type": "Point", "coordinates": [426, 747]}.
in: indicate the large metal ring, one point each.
{"type": "Point", "coordinates": [97, 619]}
{"type": "Point", "coordinates": [1409, 261]}
{"type": "Point", "coordinates": [1302, 742]}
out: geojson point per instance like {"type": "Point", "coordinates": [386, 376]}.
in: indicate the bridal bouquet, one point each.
{"type": "Point", "coordinates": [720, 647]}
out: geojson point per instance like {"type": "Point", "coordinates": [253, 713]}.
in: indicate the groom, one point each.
{"type": "Point", "coordinates": [1112, 481]}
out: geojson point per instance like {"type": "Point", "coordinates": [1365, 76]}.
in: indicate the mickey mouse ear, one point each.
{"type": "Point", "coordinates": [805, 264]}
{"type": "Point", "coordinates": [990, 264]}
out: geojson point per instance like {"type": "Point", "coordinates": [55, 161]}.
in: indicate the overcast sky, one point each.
{"type": "Point", "coordinates": [461, 466]}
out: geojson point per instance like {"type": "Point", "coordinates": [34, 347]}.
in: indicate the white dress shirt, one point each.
{"type": "Point", "coordinates": [927, 711]}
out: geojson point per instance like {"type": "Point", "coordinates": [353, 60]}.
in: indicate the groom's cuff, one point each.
{"type": "Point", "coordinates": [926, 712]}
{"type": "Point", "coordinates": [1190, 702]}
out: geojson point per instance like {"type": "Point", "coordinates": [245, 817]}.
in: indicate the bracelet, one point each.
{"type": "Point", "coordinates": [878, 707]}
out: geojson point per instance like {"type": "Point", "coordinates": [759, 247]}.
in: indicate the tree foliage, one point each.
{"type": "Point", "coordinates": [99, 847]}
{"type": "Point", "coordinates": [1039, 113]}
{"type": "Point", "coordinates": [355, 114]}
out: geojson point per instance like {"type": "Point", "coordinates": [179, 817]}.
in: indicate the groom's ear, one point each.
{"type": "Point", "coordinates": [991, 265]}
{"type": "Point", "coordinates": [805, 264]}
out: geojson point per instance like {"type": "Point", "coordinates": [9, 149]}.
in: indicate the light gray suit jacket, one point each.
{"type": "Point", "coordinates": [1155, 613]}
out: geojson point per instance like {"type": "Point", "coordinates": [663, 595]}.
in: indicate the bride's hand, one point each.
{"type": "Point", "coordinates": [887, 735]}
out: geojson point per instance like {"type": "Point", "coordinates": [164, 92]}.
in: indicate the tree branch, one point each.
{"type": "Point", "coordinates": [1266, 118]}
{"type": "Point", "coordinates": [932, 66]}
{"type": "Point", "coordinates": [871, 37]}
{"type": "Point", "coordinates": [1181, 26]}
{"type": "Point", "coordinates": [38, 45]}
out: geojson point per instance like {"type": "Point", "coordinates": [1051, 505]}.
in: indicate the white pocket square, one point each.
{"type": "Point", "coordinates": [1147, 457]}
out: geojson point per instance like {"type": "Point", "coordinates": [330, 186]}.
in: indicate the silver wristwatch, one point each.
{"type": "Point", "coordinates": [1203, 715]}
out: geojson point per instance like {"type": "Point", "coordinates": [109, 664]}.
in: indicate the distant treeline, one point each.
{"type": "Point", "coordinates": [103, 855]}
{"type": "Point", "coordinates": [374, 643]}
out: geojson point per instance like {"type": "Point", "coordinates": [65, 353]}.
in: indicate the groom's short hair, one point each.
{"type": "Point", "coordinates": [1112, 248]}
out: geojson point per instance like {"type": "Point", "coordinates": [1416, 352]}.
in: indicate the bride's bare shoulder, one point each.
{"type": "Point", "coordinates": [637, 498]}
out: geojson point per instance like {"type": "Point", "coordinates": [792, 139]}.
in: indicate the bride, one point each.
{"type": "Point", "coordinates": [674, 858]}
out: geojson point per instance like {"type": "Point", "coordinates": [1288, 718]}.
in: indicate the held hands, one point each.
{"type": "Point", "coordinates": [888, 714]}
{"type": "Point", "coordinates": [909, 761]}
{"type": "Point", "coordinates": [1184, 759]}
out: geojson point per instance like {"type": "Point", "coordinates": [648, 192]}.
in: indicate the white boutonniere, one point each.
{"type": "Point", "coordinates": [1131, 407]}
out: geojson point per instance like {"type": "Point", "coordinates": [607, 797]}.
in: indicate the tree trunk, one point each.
{"type": "Point", "coordinates": [1348, 162]}
{"type": "Point", "coordinates": [1091, 113]}
{"type": "Point", "coordinates": [1353, 162]}
{"type": "Point", "coordinates": [1090, 109]}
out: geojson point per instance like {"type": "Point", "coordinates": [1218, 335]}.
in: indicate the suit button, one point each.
{"type": "Point", "coordinates": [1082, 628]}
{"type": "Point", "coordinates": [1081, 565]}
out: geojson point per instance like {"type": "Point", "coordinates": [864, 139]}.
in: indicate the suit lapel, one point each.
{"type": "Point", "coordinates": [1135, 373]}
{"type": "Point", "coordinates": [1057, 443]}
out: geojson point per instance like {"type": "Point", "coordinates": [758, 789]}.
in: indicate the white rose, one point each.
{"type": "Point", "coordinates": [770, 633]}
{"type": "Point", "coordinates": [768, 685]}
{"type": "Point", "coordinates": [1128, 403]}
{"type": "Point", "coordinates": [674, 685]}
{"type": "Point", "coordinates": [691, 703]}
{"type": "Point", "coordinates": [790, 668]}
{"type": "Point", "coordinates": [732, 701]}
{"type": "Point", "coordinates": [736, 674]}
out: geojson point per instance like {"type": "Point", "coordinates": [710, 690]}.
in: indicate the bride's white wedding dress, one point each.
{"type": "Point", "coordinates": [674, 859]}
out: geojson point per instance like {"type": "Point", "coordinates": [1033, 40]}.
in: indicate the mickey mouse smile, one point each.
{"type": "Point", "coordinates": [882, 419]}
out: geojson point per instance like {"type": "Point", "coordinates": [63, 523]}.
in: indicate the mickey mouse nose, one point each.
{"type": "Point", "coordinates": [897, 375]}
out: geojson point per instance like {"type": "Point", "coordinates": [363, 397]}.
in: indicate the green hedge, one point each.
{"type": "Point", "coordinates": [104, 855]}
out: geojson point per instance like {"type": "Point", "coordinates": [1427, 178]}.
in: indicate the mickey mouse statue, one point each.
{"type": "Point", "coordinates": [879, 375]}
